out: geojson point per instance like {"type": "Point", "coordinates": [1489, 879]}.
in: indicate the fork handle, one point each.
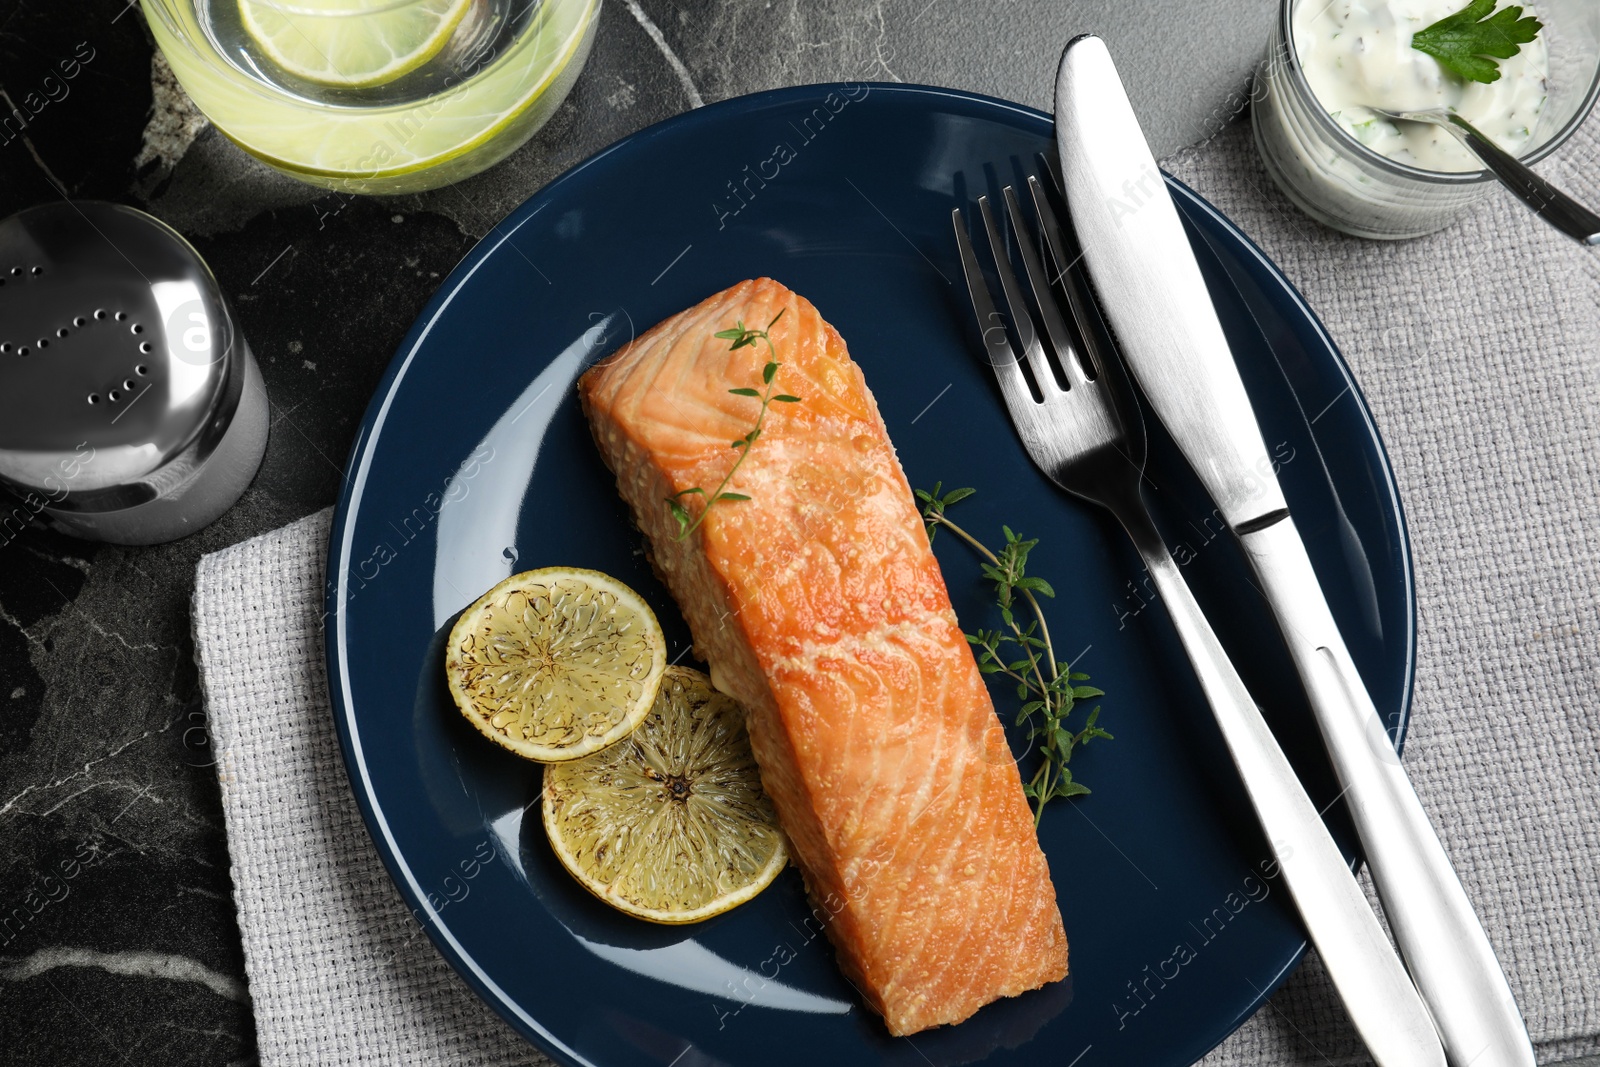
{"type": "Point", "coordinates": [1433, 921]}
{"type": "Point", "coordinates": [1379, 996]}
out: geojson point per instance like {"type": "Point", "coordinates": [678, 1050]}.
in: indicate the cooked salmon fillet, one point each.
{"type": "Point", "coordinates": [819, 606]}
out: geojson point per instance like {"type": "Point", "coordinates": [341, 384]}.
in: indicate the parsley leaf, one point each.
{"type": "Point", "coordinates": [1463, 41]}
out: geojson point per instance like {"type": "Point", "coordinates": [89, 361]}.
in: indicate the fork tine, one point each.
{"type": "Point", "coordinates": [1043, 297]}
{"type": "Point", "coordinates": [1050, 163]}
{"type": "Point", "coordinates": [992, 327]}
{"type": "Point", "coordinates": [1016, 303]}
{"type": "Point", "coordinates": [1082, 310]}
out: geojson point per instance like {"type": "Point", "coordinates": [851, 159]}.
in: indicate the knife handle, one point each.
{"type": "Point", "coordinates": [1433, 922]}
{"type": "Point", "coordinates": [1379, 996]}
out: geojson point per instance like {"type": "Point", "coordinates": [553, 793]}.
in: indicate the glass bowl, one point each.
{"type": "Point", "coordinates": [1342, 183]}
{"type": "Point", "coordinates": [480, 78]}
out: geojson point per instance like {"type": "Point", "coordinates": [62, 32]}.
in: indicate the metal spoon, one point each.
{"type": "Point", "coordinates": [1550, 203]}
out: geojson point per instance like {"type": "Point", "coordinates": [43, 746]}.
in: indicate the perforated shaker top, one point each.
{"type": "Point", "coordinates": [117, 364]}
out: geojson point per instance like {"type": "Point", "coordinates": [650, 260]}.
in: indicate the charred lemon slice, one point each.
{"type": "Point", "coordinates": [671, 825]}
{"type": "Point", "coordinates": [556, 663]}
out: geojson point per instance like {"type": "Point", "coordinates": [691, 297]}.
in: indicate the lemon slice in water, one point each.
{"type": "Point", "coordinates": [351, 43]}
{"type": "Point", "coordinates": [671, 825]}
{"type": "Point", "coordinates": [556, 663]}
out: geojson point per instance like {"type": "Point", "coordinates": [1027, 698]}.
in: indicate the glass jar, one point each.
{"type": "Point", "coordinates": [1340, 182]}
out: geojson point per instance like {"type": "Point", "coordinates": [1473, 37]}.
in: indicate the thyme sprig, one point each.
{"type": "Point", "coordinates": [741, 336]}
{"type": "Point", "coordinates": [1048, 688]}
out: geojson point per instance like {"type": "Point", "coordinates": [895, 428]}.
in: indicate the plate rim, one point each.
{"type": "Point", "coordinates": [359, 459]}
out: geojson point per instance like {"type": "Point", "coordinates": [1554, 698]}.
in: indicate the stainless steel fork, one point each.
{"type": "Point", "coordinates": [1076, 431]}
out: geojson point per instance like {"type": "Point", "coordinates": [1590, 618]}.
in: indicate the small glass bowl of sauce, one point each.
{"type": "Point", "coordinates": [1370, 177]}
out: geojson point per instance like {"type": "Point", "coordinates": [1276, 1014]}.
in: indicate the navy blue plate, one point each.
{"type": "Point", "coordinates": [474, 462]}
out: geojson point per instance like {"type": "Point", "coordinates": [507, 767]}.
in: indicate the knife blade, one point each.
{"type": "Point", "coordinates": [1153, 296]}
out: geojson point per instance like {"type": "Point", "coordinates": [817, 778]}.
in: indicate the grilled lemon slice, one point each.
{"type": "Point", "coordinates": [556, 663]}
{"type": "Point", "coordinates": [671, 825]}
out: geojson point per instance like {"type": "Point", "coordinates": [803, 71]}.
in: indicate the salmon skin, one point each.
{"type": "Point", "coordinates": [820, 607]}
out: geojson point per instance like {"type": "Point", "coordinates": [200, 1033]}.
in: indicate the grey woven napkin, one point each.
{"type": "Point", "coordinates": [339, 972]}
{"type": "Point", "coordinates": [1476, 348]}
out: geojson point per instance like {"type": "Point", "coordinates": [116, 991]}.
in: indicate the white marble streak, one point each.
{"type": "Point", "coordinates": [143, 964]}
{"type": "Point", "coordinates": [11, 804]}
{"type": "Point", "coordinates": [666, 50]}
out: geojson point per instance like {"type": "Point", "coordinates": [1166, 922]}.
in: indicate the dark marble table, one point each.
{"type": "Point", "coordinates": [118, 942]}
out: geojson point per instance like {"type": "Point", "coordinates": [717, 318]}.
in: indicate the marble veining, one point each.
{"type": "Point", "coordinates": [146, 964]}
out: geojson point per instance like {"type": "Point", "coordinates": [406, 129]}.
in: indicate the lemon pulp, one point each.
{"type": "Point", "coordinates": [556, 663]}
{"type": "Point", "coordinates": [671, 825]}
{"type": "Point", "coordinates": [336, 42]}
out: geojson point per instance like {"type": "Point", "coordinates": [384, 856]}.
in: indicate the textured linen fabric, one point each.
{"type": "Point", "coordinates": [340, 973]}
{"type": "Point", "coordinates": [1477, 350]}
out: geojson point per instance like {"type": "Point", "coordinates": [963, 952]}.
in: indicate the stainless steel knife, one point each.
{"type": "Point", "coordinates": [1152, 294]}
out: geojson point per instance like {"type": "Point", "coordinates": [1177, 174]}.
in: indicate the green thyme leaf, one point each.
{"type": "Point", "coordinates": [1036, 585]}
{"type": "Point", "coordinates": [679, 513]}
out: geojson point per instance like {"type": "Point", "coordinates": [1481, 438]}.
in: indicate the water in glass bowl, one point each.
{"type": "Point", "coordinates": [376, 96]}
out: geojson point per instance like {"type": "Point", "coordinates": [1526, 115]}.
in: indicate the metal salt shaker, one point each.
{"type": "Point", "coordinates": [131, 409]}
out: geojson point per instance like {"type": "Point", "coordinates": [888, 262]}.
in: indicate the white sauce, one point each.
{"type": "Point", "coordinates": [1357, 52]}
